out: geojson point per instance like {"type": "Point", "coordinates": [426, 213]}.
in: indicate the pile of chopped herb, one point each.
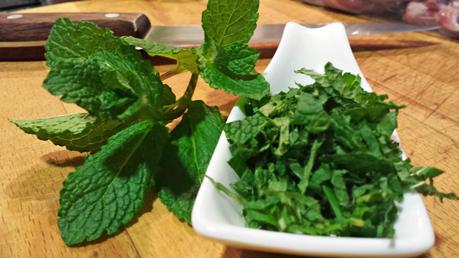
{"type": "Point", "coordinates": [320, 160]}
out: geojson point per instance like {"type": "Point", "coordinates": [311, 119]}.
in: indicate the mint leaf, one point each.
{"type": "Point", "coordinates": [185, 57]}
{"type": "Point", "coordinates": [108, 190]}
{"type": "Point", "coordinates": [80, 131]}
{"type": "Point", "coordinates": [101, 73]}
{"type": "Point", "coordinates": [185, 160]}
{"type": "Point", "coordinates": [229, 22]}
{"type": "Point", "coordinates": [230, 74]}
{"type": "Point", "coordinates": [225, 60]}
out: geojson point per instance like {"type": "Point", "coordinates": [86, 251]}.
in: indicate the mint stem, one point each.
{"type": "Point", "coordinates": [178, 108]}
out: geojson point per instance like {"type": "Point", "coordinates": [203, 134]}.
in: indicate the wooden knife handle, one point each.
{"type": "Point", "coordinates": [22, 35]}
{"type": "Point", "coordinates": [36, 26]}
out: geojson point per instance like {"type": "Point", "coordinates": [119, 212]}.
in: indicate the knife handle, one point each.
{"type": "Point", "coordinates": [23, 35]}
{"type": "Point", "coordinates": [16, 27]}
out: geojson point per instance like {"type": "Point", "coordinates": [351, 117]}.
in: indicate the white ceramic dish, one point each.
{"type": "Point", "coordinates": [219, 217]}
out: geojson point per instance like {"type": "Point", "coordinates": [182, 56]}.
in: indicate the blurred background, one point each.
{"type": "Point", "coordinates": [444, 13]}
{"type": "Point", "coordinates": [9, 5]}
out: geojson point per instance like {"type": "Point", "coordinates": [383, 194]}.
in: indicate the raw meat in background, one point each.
{"type": "Point", "coordinates": [445, 13]}
{"type": "Point", "coordinates": [362, 6]}
{"type": "Point", "coordinates": [442, 12]}
{"type": "Point", "coordinates": [448, 18]}
{"type": "Point", "coordinates": [422, 12]}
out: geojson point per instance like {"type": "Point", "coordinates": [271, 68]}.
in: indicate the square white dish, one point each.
{"type": "Point", "coordinates": [219, 217]}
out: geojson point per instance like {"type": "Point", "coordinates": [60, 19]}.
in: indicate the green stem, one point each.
{"type": "Point", "coordinates": [178, 108]}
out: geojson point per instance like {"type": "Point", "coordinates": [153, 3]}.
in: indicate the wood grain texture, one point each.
{"type": "Point", "coordinates": [425, 78]}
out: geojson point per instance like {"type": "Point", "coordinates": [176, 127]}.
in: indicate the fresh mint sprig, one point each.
{"type": "Point", "coordinates": [224, 60]}
{"type": "Point", "coordinates": [128, 108]}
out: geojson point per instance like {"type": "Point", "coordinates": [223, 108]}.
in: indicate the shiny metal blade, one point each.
{"type": "Point", "coordinates": [192, 35]}
{"type": "Point", "coordinates": [362, 29]}
{"type": "Point", "coordinates": [177, 35]}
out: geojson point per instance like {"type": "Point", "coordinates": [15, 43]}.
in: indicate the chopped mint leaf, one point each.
{"type": "Point", "coordinates": [319, 160]}
{"type": "Point", "coordinates": [242, 131]}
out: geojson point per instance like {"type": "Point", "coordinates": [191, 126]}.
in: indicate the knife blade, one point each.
{"type": "Point", "coordinates": [190, 35]}
{"type": "Point", "coordinates": [267, 36]}
{"type": "Point", "coordinates": [23, 36]}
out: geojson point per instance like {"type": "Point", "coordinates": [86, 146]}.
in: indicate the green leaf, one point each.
{"type": "Point", "coordinates": [334, 204]}
{"type": "Point", "coordinates": [229, 22]}
{"type": "Point", "coordinates": [309, 111]}
{"type": "Point", "coordinates": [388, 124]}
{"type": "Point", "coordinates": [241, 131]}
{"type": "Point", "coordinates": [80, 131]}
{"type": "Point", "coordinates": [369, 137]}
{"type": "Point", "coordinates": [343, 131]}
{"type": "Point", "coordinates": [429, 189]}
{"type": "Point", "coordinates": [339, 187]}
{"type": "Point", "coordinates": [426, 172]}
{"type": "Point", "coordinates": [311, 73]}
{"type": "Point", "coordinates": [321, 175]}
{"type": "Point", "coordinates": [185, 160]}
{"type": "Point", "coordinates": [283, 123]}
{"type": "Point", "coordinates": [225, 60]}
{"type": "Point", "coordinates": [101, 73]}
{"type": "Point", "coordinates": [185, 57]}
{"type": "Point", "coordinates": [360, 163]}
{"type": "Point", "coordinates": [277, 105]}
{"type": "Point", "coordinates": [108, 190]}
{"type": "Point", "coordinates": [234, 72]}
{"type": "Point", "coordinates": [304, 182]}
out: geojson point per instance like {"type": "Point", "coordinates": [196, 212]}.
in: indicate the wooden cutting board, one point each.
{"type": "Point", "coordinates": [32, 171]}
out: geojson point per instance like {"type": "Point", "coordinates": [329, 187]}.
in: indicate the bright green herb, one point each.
{"type": "Point", "coordinates": [128, 107]}
{"type": "Point", "coordinates": [109, 189]}
{"type": "Point", "coordinates": [319, 160]}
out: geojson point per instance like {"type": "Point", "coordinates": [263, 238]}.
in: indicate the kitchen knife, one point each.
{"type": "Point", "coordinates": [22, 36]}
